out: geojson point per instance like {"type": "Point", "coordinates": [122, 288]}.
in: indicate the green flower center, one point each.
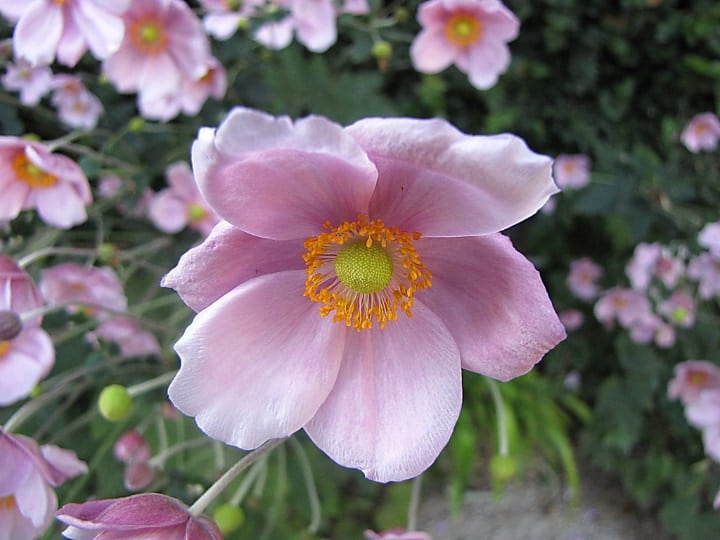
{"type": "Point", "coordinates": [364, 269]}
{"type": "Point", "coordinates": [196, 213]}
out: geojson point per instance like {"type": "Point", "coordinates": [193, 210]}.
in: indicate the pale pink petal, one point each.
{"type": "Point", "coordinates": [61, 206]}
{"type": "Point", "coordinates": [493, 301]}
{"type": "Point", "coordinates": [72, 44]}
{"type": "Point", "coordinates": [247, 353]}
{"type": "Point", "coordinates": [396, 399]}
{"type": "Point", "coordinates": [13, 197]}
{"type": "Point", "coordinates": [13, 9]}
{"type": "Point", "coordinates": [231, 257]}
{"type": "Point", "coordinates": [221, 25]}
{"type": "Point", "coordinates": [431, 52]}
{"type": "Point", "coordinates": [281, 180]}
{"type": "Point", "coordinates": [38, 32]}
{"type": "Point", "coordinates": [485, 64]}
{"type": "Point", "coordinates": [64, 463]}
{"type": "Point", "coordinates": [28, 360]}
{"type": "Point", "coordinates": [440, 182]}
{"type": "Point", "coordinates": [275, 35]}
{"type": "Point", "coordinates": [122, 69]}
{"type": "Point", "coordinates": [103, 30]}
{"type": "Point", "coordinates": [315, 23]}
{"type": "Point", "coordinates": [168, 212]}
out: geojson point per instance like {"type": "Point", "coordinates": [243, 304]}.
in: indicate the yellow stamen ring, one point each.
{"type": "Point", "coordinates": [364, 272]}
{"type": "Point", "coordinates": [30, 173]}
{"type": "Point", "coordinates": [463, 29]}
{"type": "Point", "coordinates": [4, 348]}
{"type": "Point", "coordinates": [147, 35]}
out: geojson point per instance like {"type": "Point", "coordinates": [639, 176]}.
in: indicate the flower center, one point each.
{"type": "Point", "coordinates": [4, 348]}
{"type": "Point", "coordinates": [196, 213]}
{"type": "Point", "coordinates": [364, 272]}
{"type": "Point", "coordinates": [147, 35]}
{"type": "Point", "coordinates": [30, 173]}
{"type": "Point", "coordinates": [7, 502]}
{"type": "Point", "coordinates": [463, 29]}
{"type": "Point", "coordinates": [698, 378]}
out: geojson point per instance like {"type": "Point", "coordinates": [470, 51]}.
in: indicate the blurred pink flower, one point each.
{"type": "Point", "coordinates": [472, 34]}
{"type": "Point", "coordinates": [26, 358]}
{"type": "Point", "coordinates": [147, 515]}
{"type": "Point", "coordinates": [649, 328]}
{"type": "Point", "coordinates": [693, 377]}
{"type": "Point", "coordinates": [223, 17]}
{"type": "Point", "coordinates": [313, 21]}
{"type": "Point", "coordinates": [181, 204]}
{"type": "Point", "coordinates": [572, 171]}
{"type": "Point", "coordinates": [369, 223]}
{"type": "Point", "coordinates": [73, 283]}
{"type": "Point", "coordinates": [583, 277]}
{"type": "Point", "coordinates": [679, 308]}
{"type": "Point", "coordinates": [28, 474]}
{"type": "Point", "coordinates": [131, 446]}
{"type": "Point", "coordinates": [709, 237]}
{"type": "Point", "coordinates": [76, 106]}
{"type": "Point", "coordinates": [66, 28]}
{"type": "Point", "coordinates": [702, 132]}
{"type": "Point", "coordinates": [397, 534]}
{"type": "Point", "coordinates": [164, 44]}
{"type": "Point", "coordinates": [653, 261]}
{"type": "Point", "coordinates": [127, 333]}
{"type": "Point", "coordinates": [624, 305]}
{"type": "Point", "coordinates": [572, 319]}
{"type": "Point", "coordinates": [705, 269]}
{"type": "Point", "coordinates": [32, 82]}
{"type": "Point", "coordinates": [32, 177]}
{"type": "Point", "coordinates": [110, 186]}
{"type": "Point", "coordinates": [703, 411]}
{"type": "Point", "coordinates": [711, 444]}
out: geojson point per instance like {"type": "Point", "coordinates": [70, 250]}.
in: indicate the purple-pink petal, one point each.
{"type": "Point", "coordinates": [396, 399]}
{"type": "Point", "coordinates": [492, 300]}
{"type": "Point", "coordinates": [263, 352]}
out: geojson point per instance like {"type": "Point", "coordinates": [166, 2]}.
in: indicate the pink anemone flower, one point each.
{"type": "Point", "coordinates": [356, 271]}
{"type": "Point", "coordinates": [28, 474]}
{"type": "Point", "coordinates": [32, 82]}
{"type": "Point", "coordinates": [572, 171]}
{"type": "Point", "coordinates": [472, 34]}
{"type": "Point", "coordinates": [66, 29]}
{"type": "Point", "coordinates": [32, 177]}
{"type": "Point", "coordinates": [702, 132]}
{"type": "Point", "coordinates": [583, 277]}
{"type": "Point", "coordinates": [147, 515]}
{"type": "Point", "coordinates": [164, 44]}
{"type": "Point", "coordinates": [692, 378]}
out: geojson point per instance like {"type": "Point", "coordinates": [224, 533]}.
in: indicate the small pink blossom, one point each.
{"type": "Point", "coordinates": [472, 34]}
{"type": "Point", "coordinates": [83, 288]}
{"type": "Point", "coordinates": [181, 204]}
{"type": "Point", "coordinates": [691, 378]}
{"type": "Point", "coordinates": [312, 21]}
{"type": "Point", "coordinates": [76, 106]}
{"type": "Point", "coordinates": [32, 82]}
{"type": "Point", "coordinates": [110, 186]}
{"type": "Point", "coordinates": [397, 534]}
{"type": "Point", "coordinates": [28, 474]}
{"type": "Point", "coordinates": [705, 269]}
{"type": "Point", "coordinates": [68, 28]}
{"type": "Point", "coordinates": [223, 17]}
{"type": "Point", "coordinates": [127, 333]}
{"type": "Point", "coordinates": [624, 305]}
{"type": "Point", "coordinates": [679, 308]}
{"type": "Point", "coordinates": [583, 277]}
{"type": "Point", "coordinates": [702, 132]}
{"type": "Point", "coordinates": [131, 446]}
{"type": "Point", "coordinates": [709, 237]}
{"type": "Point", "coordinates": [278, 328]}
{"type": "Point", "coordinates": [164, 45]}
{"type": "Point", "coordinates": [572, 319]}
{"type": "Point", "coordinates": [147, 515]}
{"type": "Point", "coordinates": [649, 328]}
{"type": "Point", "coordinates": [32, 177]}
{"type": "Point", "coordinates": [572, 171]}
{"type": "Point", "coordinates": [653, 261]}
{"type": "Point", "coordinates": [26, 358]}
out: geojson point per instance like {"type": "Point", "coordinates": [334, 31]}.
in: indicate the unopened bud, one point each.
{"type": "Point", "coordinates": [382, 50]}
{"type": "Point", "coordinates": [228, 518]}
{"type": "Point", "coordinates": [10, 325]}
{"type": "Point", "coordinates": [136, 124]}
{"type": "Point", "coordinates": [115, 403]}
{"type": "Point", "coordinates": [503, 467]}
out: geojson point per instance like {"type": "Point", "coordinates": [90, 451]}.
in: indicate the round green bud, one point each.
{"type": "Point", "coordinates": [382, 50]}
{"type": "Point", "coordinates": [228, 518]}
{"type": "Point", "coordinates": [108, 253]}
{"type": "Point", "coordinates": [114, 403]}
{"type": "Point", "coordinates": [136, 124]}
{"type": "Point", "coordinates": [503, 468]}
{"type": "Point", "coordinates": [402, 14]}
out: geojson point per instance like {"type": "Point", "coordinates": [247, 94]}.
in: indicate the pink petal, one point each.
{"type": "Point", "coordinates": [396, 399]}
{"type": "Point", "coordinates": [258, 363]}
{"type": "Point", "coordinates": [63, 464]}
{"type": "Point", "coordinates": [281, 180]}
{"type": "Point", "coordinates": [231, 257]}
{"type": "Point", "coordinates": [137, 512]}
{"type": "Point", "coordinates": [485, 63]}
{"type": "Point", "coordinates": [275, 35]}
{"type": "Point", "coordinates": [493, 302]}
{"type": "Point", "coordinates": [29, 359]}
{"type": "Point", "coordinates": [168, 212]}
{"type": "Point", "coordinates": [60, 206]}
{"type": "Point", "coordinates": [440, 182]}
{"type": "Point", "coordinates": [431, 52]}
{"type": "Point", "coordinates": [315, 23]}
{"type": "Point", "coordinates": [14, 194]}
{"type": "Point", "coordinates": [38, 32]}
{"type": "Point", "coordinates": [103, 31]}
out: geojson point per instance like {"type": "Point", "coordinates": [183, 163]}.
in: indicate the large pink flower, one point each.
{"type": "Point", "coordinates": [28, 473]}
{"type": "Point", "coordinates": [164, 44]}
{"type": "Point", "coordinates": [66, 28]}
{"type": "Point", "coordinates": [472, 34]}
{"type": "Point", "coordinates": [148, 515]}
{"type": "Point", "coordinates": [32, 177]}
{"type": "Point", "coordinates": [356, 272]}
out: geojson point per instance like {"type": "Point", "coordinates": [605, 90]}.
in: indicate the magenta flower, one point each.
{"type": "Point", "coordinates": [472, 34]}
{"type": "Point", "coordinates": [181, 204]}
{"type": "Point", "coordinates": [28, 474]}
{"type": "Point", "coordinates": [72, 283]}
{"type": "Point", "coordinates": [572, 171]}
{"type": "Point", "coordinates": [164, 44]}
{"type": "Point", "coordinates": [32, 177]}
{"type": "Point", "coordinates": [583, 277]}
{"type": "Point", "coordinates": [147, 515]}
{"type": "Point", "coordinates": [332, 238]}
{"type": "Point", "coordinates": [26, 358]}
{"type": "Point", "coordinates": [693, 377]}
{"type": "Point", "coordinates": [32, 82]}
{"type": "Point", "coordinates": [397, 534]}
{"type": "Point", "coordinates": [66, 28]}
{"type": "Point", "coordinates": [701, 133]}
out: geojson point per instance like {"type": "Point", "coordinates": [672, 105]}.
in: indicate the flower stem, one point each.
{"type": "Point", "coordinates": [151, 384]}
{"type": "Point", "coordinates": [503, 445]}
{"type": "Point", "coordinates": [221, 483]}
{"type": "Point", "coordinates": [414, 506]}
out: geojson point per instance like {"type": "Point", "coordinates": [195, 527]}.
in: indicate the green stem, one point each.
{"type": "Point", "coordinates": [414, 506]}
{"type": "Point", "coordinates": [503, 445]}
